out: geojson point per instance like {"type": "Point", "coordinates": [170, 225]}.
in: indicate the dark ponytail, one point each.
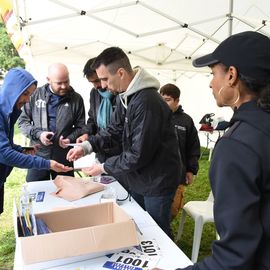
{"type": "Point", "coordinates": [262, 91]}
{"type": "Point", "coordinates": [264, 98]}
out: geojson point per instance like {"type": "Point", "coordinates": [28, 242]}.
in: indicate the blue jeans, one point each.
{"type": "Point", "coordinates": [159, 208]}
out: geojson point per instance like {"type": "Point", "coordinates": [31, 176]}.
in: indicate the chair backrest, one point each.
{"type": "Point", "coordinates": [210, 197]}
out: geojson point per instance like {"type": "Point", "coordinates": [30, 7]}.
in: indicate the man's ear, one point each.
{"type": "Point", "coordinates": [121, 72]}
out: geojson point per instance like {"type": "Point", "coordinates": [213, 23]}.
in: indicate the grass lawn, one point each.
{"type": "Point", "coordinates": [198, 191]}
{"type": "Point", "coordinates": [7, 237]}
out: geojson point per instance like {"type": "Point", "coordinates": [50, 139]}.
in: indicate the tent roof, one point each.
{"type": "Point", "coordinates": [157, 34]}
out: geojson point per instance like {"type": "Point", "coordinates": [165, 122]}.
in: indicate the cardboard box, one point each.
{"type": "Point", "coordinates": [93, 230]}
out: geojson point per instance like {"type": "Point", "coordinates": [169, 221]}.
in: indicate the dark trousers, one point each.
{"type": "Point", "coordinates": [1, 199]}
{"type": "Point", "coordinates": [41, 175]}
{"type": "Point", "coordinates": [159, 208]}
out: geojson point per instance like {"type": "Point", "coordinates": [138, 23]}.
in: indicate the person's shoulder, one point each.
{"type": "Point", "coordinates": [43, 87]}
{"type": "Point", "coordinates": [40, 91]}
{"type": "Point", "coordinates": [73, 93]}
{"type": "Point", "coordinates": [247, 134]}
{"type": "Point", "coordinates": [183, 115]}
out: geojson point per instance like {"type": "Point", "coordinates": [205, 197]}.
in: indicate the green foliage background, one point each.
{"type": "Point", "coordinates": [8, 55]}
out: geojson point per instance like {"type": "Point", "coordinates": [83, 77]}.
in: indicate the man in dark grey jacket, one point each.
{"type": "Point", "coordinates": [53, 118]}
{"type": "Point", "coordinates": [142, 124]}
{"type": "Point", "coordinates": [102, 104]}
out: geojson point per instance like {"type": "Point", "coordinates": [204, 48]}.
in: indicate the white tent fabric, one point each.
{"type": "Point", "coordinates": [158, 34]}
{"type": "Point", "coordinates": [162, 36]}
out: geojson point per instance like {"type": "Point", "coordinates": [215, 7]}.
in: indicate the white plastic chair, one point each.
{"type": "Point", "coordinates": [201, 212]}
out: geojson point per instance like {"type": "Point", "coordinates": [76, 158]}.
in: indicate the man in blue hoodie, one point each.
{"type": "Point", "coordinates": [17, 88]}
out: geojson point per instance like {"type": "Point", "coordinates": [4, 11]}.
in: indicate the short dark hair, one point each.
{"type": "Point", "coordinates": [113, 58]}
{"type": "Point", "coordinates": [170, 90]}
{"type": "Point", "coordinates": [88, 71]}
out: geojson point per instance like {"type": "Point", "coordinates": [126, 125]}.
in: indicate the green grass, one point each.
{"type": "Point", "coordinates": [7, 237]}
{"type": "Point", "coordinates": [199, 190]}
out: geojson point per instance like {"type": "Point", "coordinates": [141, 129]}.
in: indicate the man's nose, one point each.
{"type": "Point", "coordinates": [104, 84]}
{"type": "Point", "coordinates": [27, 99]}
{"type": "Point", "coordinates": [64, 85]}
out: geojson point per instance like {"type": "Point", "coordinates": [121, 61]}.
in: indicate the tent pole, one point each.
{"type": "Point", "coordinates": [230, 18]}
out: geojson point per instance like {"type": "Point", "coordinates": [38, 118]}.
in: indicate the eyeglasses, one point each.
{"type": "Point", "coordinates": [94, 81]}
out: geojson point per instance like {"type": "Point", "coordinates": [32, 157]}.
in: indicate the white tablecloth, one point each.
{"type": "Point", "coordinates": [171, 256]}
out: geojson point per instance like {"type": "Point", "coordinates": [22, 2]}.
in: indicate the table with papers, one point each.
{"type": "Point", "coordinates": [169, 255]}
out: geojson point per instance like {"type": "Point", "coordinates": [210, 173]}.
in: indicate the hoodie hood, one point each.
{"type": "Point", "coordinates": [141, 80]}
{"type": "Point", "coordinates": [250, 113]}
{"type": "Point", "coordinates": [16, 81]}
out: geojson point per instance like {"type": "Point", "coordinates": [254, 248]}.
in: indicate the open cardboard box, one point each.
{"type": "Point", "coordinates": [93, 230]}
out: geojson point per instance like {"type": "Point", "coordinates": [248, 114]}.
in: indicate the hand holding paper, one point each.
{"type": "Point", "coordinates": [95, 169]}
{"type": "Point", "coordinates": [75, 153]}
{"type": "Point", "coordinates": [63, 142]}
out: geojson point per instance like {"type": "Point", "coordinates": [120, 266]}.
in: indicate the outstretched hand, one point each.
{"type": "Point", "coordinates": [58, 167]}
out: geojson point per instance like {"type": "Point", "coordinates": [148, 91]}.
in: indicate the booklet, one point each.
{"type": "Point", "coordinates": [84, 162]}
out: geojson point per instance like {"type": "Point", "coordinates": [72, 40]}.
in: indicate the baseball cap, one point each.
{"type": "Point", "coordinates": [248, 51]}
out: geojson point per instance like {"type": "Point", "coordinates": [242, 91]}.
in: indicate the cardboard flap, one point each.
{"type": "Point", "coordinates": [85, 216]}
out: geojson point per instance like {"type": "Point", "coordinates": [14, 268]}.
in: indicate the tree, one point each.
{"type": "Point", "coordinates": [9, 57]}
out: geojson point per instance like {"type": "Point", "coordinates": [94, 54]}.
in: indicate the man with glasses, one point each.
{"type": "Point", "coordinates": [102, 104]}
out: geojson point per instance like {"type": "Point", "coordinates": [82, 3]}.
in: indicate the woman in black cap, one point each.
{"type": "Point", "coordinates": [240, 168]}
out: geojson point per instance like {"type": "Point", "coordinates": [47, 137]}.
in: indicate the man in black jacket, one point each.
{"type": "Point", "coordinates": [53, 118]}
{"type": "Point", "coordinates": [188, 141]}
{"type": "Point", "coordinates": [187, 135]}
{"type": "Point", "coordinates": [142, 124]}
{"type": "Point", "coordinates": [102, 104]}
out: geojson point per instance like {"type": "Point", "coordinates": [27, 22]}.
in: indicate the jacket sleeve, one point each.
{"type": "Point", "coordinates": [91, 126]}
{"type": "Point", "coordinates": [192, 149]}
{"type": "Point", "coordinates": [25, 124]}
{"type": "Point", "coordinates": [79, 119]}
{"type": "Point", "coordinates": [10, 157]}
{"type": "Point", "coordinates": [234, 171]}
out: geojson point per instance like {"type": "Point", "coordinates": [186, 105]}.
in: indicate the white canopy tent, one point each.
{"type": "Point", "coordinates": [162, 36]}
